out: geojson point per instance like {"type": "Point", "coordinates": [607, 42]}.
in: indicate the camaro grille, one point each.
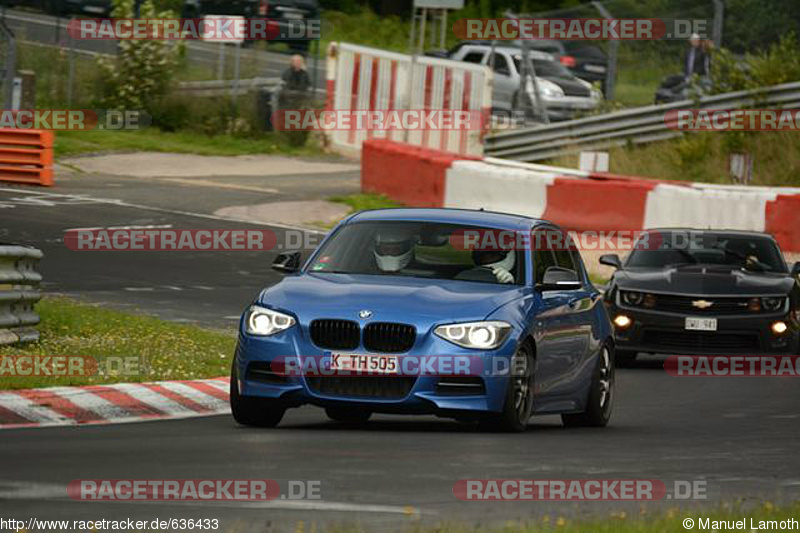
{"type": "Point", "coordinates": [388, 387]}
{"type": "Point", "coordinates": [386, 337]}
{"type": "Point", "coordinates": [389, 337]}
{"type": "Point", "coordinates": [683, 304]}
{"type": "Point", "coordinates": [335, 334]}
{"type": "Point", "coordinates": [702, 341]}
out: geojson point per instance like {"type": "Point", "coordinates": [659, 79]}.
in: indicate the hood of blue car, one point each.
{"type": "Point", "coordinates": [388, 298]}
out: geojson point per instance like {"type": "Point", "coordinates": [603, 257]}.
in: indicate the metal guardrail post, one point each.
{"type": "Point", "coordinates": [9, 63]}
{"type": "Point", "coordinates": [613, 53]}
{"type": "Point", "coordinates": [19, 292]}
{"type": "Point", "coordinates": [719, 21]}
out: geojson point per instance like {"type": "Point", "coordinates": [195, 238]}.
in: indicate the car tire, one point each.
{"type": "Point", "coordinates": [600, 403]}
{"type": "Point", "coordinates": [347, 415]}
{"type": "Point", "coordinates": [625, 358]}
{"type": "Point", "coordinates": [518, 404]}
{"type": "Point", "coordinates": [250, 411]}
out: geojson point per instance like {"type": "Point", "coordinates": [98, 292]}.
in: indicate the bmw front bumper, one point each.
{"type": "Point", "coordinates": [259, 361]}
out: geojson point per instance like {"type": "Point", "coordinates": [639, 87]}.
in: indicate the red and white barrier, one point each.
{"type": "Point", "coordinates": [362, 78]}
{"type": "Point", "coordinates": [574, 199]}
{"type": "Point", "coordinates": [113, 404]}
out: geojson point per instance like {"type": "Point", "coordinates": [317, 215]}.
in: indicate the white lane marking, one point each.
{"type": "Point", "coordinates": [116, 228]}
{"type": "Point", "coordinates": [212, 403]}
{"type": "Point", "coordinates": [31, 410]}
{"type": "Point", "coordinates": [152, 398]}
{"type": "Point", "coordinates": [311, 505]}
{"type": "Point", "coordinates": [120, 203]}
{"type": "Point", "coordinates": [20, 490]}
{"type": "Point", "coordinates": [138, 289]}
{"type": "Point", "coordinates": [91, 402]}
{"type": "Point", "coordinates": [783, 416]}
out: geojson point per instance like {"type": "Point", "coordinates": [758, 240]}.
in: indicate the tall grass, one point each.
{"type": "Point", "coordinates": [705, 157]}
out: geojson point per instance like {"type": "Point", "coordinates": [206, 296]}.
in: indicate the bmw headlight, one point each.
{"type": "Point", "coordinates": [264, 322]}
{"type": "Point", "coordinates": [632, 298]}
{"type": "Point", "coordinates": [772, 304]}
{"type": "Point", "coordinates": [478, 335]}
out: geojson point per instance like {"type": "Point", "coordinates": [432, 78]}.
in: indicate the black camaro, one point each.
{"type": "Point", "coordinates": [706, 293]}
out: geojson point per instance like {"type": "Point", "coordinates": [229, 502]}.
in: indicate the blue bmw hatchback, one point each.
{"type": "Point", "coordinates": [457, 313]}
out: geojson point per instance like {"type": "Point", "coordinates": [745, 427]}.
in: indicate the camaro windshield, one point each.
{"type": "Point", "coordinates": [420, 250]}
{"type": "Point", "coordinates": [665, 249]}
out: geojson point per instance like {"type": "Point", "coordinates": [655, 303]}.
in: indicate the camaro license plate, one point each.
{"type": "Point", "coordinates": [595, 68]}
{"type": "Point", "coordinates": [701, 324]}
{"type": "Point", "coordinates": [380, 364]}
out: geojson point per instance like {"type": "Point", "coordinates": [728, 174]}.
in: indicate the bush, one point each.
{"type": "Point", "coordinates": [779, 64]}
{"type": "Point", "coordinates": [142, 73]}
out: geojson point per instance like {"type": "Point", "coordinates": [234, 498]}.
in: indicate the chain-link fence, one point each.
{"type": "Point", "coordinates": [630, 71]}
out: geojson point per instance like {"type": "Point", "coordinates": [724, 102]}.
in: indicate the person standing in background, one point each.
{"type": "Point", "coordinates": [296, 85]}
{"type": "Point", "coordinates": [694, 62]}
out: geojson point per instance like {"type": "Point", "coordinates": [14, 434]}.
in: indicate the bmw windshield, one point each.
{"type": "Point", "coordinates": [421, 250]}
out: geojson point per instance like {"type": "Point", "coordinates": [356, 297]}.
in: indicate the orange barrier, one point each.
{"type": "Point", "coordinates": [26, 156]}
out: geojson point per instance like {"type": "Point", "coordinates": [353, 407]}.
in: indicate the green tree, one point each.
{"type": "Point", "coordinates": [143, 71]}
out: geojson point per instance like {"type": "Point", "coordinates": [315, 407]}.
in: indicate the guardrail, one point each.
{"type": "Point", "coordinates": [19, 292]}
{"type": "Point", "coordinates": [638, 126]}
{"type": "Point", "coordinates": [231, 87]}
{"type": "Point", "coordinates": [26, 156]}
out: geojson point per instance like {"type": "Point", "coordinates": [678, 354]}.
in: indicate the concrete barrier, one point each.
{"type": "Point", "coordinates": [576, 200]}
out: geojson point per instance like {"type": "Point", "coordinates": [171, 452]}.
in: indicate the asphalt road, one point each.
{"type": "Point", "coordinates": [738, 435]}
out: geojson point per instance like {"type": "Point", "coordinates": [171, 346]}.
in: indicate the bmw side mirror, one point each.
{"type": "Point", "coordinates": [287, 262]}
{"type": "Point", "coordinates": [796, 269]}
{"type": "Point", "coordinates": [559, 279]}
{"type": "Point", "coordinates": [611, 260]}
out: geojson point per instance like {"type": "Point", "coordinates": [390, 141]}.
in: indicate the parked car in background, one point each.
{"type": "Point", "coordinates": [96, 8]}
{"type": "Point", "coordinates": [562, 93]}
{"type": "Point", "coordinates": [586, 62]}
{"type": "Point", "coordinates": [704, 292]}
{"type": "Point", "coordinates": [284, 12]}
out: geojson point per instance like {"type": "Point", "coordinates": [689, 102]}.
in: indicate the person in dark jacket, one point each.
{"type": "Point", "coordinates": [694, 63]}
{"type": "Point", "coordinates": [296, 85]}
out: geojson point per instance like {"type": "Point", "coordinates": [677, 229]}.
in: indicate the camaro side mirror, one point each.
{"type": "Point", "coordinates": [611, 260]}
{"type": "Point", "coordinates": [287, 262]}
{"type": "Point", "coordinates": [796, 269]}
{"type": "Point", "coordinates": [559, 279]}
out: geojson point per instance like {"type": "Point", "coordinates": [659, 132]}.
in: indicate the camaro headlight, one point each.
{"type": "Point", "coordinates": [632, 298]}
{"type": "Point", "coordinates": [479, 335]}
{"type": "Point", "coordinates": [772, 304]}
{"type": "Point", "coordinates": [264, 322]}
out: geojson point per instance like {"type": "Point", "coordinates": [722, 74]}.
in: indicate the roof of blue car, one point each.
{"type": "Point", "coordinates": [450, 216]}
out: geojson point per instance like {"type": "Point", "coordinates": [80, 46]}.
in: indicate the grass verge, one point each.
{"type": "Point", "coordinates": [164, 350]}
{"type": "Point", "coordinates": [70, 143]}
{"type": "Point", "coordinates": [704, 157]}
{"type": "Point", "coordinates": [362, 201]}
{"type": "Point", "coordinates": [720, 518]}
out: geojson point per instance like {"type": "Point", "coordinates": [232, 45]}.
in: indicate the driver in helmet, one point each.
{"type": "Point", "coordinates": [499, 262]}
{"type": "Point", "coordinates": [394, 250]}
